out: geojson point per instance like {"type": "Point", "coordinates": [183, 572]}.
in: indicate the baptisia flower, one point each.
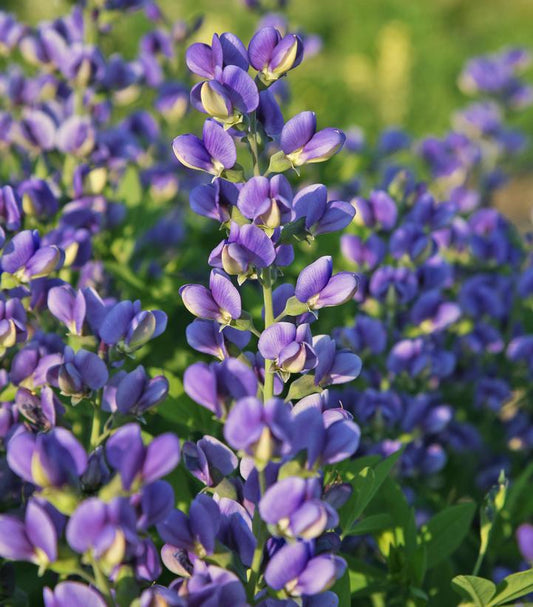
{"type": "Point", "coordinates": [302, 144]}
{"type": "Point", "coordinates": [221, 302]}
{"type": "Point", "coordinates": [214, 153]}
{"type": "Point", "coordinates": [318, 288]}
{"type": "Point", "coordinates": [73, 594]}
{"type": "Point", "coordinates": [208, 61]}
{"type": "Point", "coordinates": [320, 215]}
{"type": "Point", "coordinates": [273, 55]}
{"type": "Point", "coordinates": [27, 259]}
{"type": "Point", "coordinates": [289, 346]}
{"type": "Point", "coordinates": [266, 201]}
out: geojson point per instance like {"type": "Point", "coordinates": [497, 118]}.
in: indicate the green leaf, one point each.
{"type": "Point", "coordinates": [370, 524]}
{"type": "Point", "coordinates": [303, 386]}
{"type": "Point", "coordinates": [365, 486]}
{"type": "Point", "coordinates": [343, 590]}
{"type": "Point", "coordinates": [513, 587]}
{"type": "Point", "coordinates": [445, 532]}
{"type": "Point", "coordinates": [295, 230]}
{"type": "Point", "coordinates": [130, 188]}
{"type": "Point", "coordinates": [476, 589]}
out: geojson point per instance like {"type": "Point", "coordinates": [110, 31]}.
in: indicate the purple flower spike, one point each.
{"type": "Point", "coordinates": [73, 594]}
{"type": "Point", "coordinates": [127, 454]}
{"type": "Point", "coordinates": [263, 431]}
{"type": "Point", "coordinates": [267, 202]}
{"type": "Point", "coordinates": [319, 288]}
{"type": "Point", "coordinates": [289, 346]}
{"type": "Point", "coordinates": [68, 306]}
{"type": "Point", "coordinates": [302, 144]}
{"type": "Point", "coordinates": [221, 302]}
{"type": "Point", "coordinates": [321, 216]}
{"type": "Point", "coordinates": [213, 154]}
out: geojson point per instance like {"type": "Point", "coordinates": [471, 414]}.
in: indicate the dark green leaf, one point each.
{"type": "Point", "coordinates": [513, 587]}
{"type": "Point", "coordinates": [476, 589]}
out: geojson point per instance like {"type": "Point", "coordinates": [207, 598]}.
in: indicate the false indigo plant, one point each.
{"type": "Point", "coordinates": [279, 493]}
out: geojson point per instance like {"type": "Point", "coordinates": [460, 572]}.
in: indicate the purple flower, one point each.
{"type": "Point", "coordinates": [235, 530]}
{"type": "Point", "coordinates": [364, 253]}
{"type": "Point", "coordinates": [215, 199]}
{"type": "Point", "coordinates": [211, 585]}
{"type": "Point", "coordinates": [77, 136]}
{"type": "Point", "coordinates": [196, 532]}
{"type": "Point", "coordinates": [130, 328]}
{"type": "Point", "coordinates": [431, 311]}
{"type": "Point", "coordinates": [213, 154]}
{"type": "Point", "coordinates": [400, 282]}
{"type": "Point", "coordinates": [319, 288]}
{"type": "Point", "coordinates": [38, 199]}
{"type": "Point", "coordinates": [10, 208]}
{"type": "Point", "coordinates": [136, 462]}
{"type": "Point", "coordinates": [378, 210]}
{"type": "Point", "coordinates": [266, 202]}
{"type": "Point", "coordinates": [207, 61]}
{"type": "Point", "coordinates": [247, 247]}
{"type": "Point", "coordinates": [294, 507]}
{"type": "Point", "coordinates": [78, 373]}
{"type": "Point", "coordinates": [24, 257]}
{"type": "Point", "coordinates": [416, 356]}
{"type": "Point", "coordinates": [35, 131]}
{"type": "Point", "coordinates": [40, 410]}
{"type": "Point", "coordinates": [334, 366]}
{"type": "Point", "coordinates": [294, 568]}
{"type": "Point", "coordinates": [524, 538]}
{"type": "Point", "coordinates": [12, 323]}
{"type": "Point", "coordinates": [321, 216]}
{"type": "Point", "coordinates": [33, 540]}
{"type": "Point", "coordinates": [136, 392]}
{"type": "Point", "coordinates": [206, 336]}
{"type": "Point", "coordinates": [68, 306]}
{"type": "Point", "coordinates": [229, 98]}
{"type": "Point", "coordinates": [273, 55]}
{"type": "Point", "coordinates": [73, 594]}
{"type": "Point", "coordinates": [302, 144]}
{"type": "Point", "coordinates": [209, 460]}
{"type": "Point", "coordinates": [221, 302]}
{"type": "Point", "coordinates": [289, 346]}
{"type": "Point", "coordinates": [54, 459]}
{"type": "Point", "coordinates": [263, 431]}
{"type": "Point", "coordinates": [212, 386]}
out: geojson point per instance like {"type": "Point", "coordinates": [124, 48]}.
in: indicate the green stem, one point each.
{"type": "Point", "coordinates": [268, 389]}
{"type": "Point", "coordinates": [252, 140]}
{"type": "Point", "coordinates": [102, 583]}
{"type": "Point", "coordinates": [253, 580]}
{"type": "Point", "coordinates": [96, 425]}
{"type": "Point", "coordinates": [479, 562]}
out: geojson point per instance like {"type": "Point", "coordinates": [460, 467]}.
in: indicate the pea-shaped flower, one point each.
{"type": "Point", "coordinates": [221, 302]}
{"type": "Point", "coordinates": [319, 288]}
{"type": "Point", "coordinates": [25, 258]}
{"type": "Point", "coordinates": [267, 202]}
{"type": "Point", "coordinates": [214, 153]}
{"type": "Point", "coordinates": [273, 55]}
{"type": "Point", "coordinates": [68, 306]}
{"type": "Point", "coordinates": [321, 216]}
{"type": "Point", "coordinates": [289, 346]}
{"type": "Point", "coordinates": [207, 61]}
{"type": "Point", "coordinates": [73, 594]}
{"type": "Point", "coordinates": [302, 144]}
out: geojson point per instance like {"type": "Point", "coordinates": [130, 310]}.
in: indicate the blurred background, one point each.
{"type": "Point", "coordinates": [382, 63]}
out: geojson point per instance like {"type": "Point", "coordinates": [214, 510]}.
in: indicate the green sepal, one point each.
{"type": "Point", "coordinates": [65, 500]}
{"type": "Point", "coordinates": [235, 175]}
{"type": "Point", "coordinates": [279, 163]}
{"type": "Point", "coordinates": [303, 386]}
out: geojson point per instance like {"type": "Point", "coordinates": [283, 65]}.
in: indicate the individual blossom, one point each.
{"type": "Point", "coordinates": [41, 410]}
{"type": "Point", "coordinates": [293, 506]}
{"type": "Point", "coordinates": [273, 55]}
{"type": "Point", "coordinates": [13, 319]}
{"type": "Point", "coordinates": [294, 568]}
{"type": "Point", "coordinates": [246, 248]}
{"type": "Point", "coordinates": [34, 539]}
{"type": "Point", "coordinates": [214, 386]}
{"type": "Point", "coordinates": [365, 253]}
{"type": "Point", "coordinates": [262, 431]}
{"type": "Point", "coordinates": [136, 392]}
{"type": "Point", "coordinates": [378, 210]}
{"type": "Point", "coordinates": [208, 61]}
{"type": "Point", "coordinates": [320, 215]}
{"type": "Point", "coordinates": [318, 288]}
{"type": "Point", "coordinates": [302, 144]}
{"type": "Point", "coordinates": [52, 459]}
{"type": "Point", "coordinates": [209, 460]}
{"type": "Point", "coordinates": [289, 346]}
{"type": "Point", "coordinates": [137, 463]}
{"type": "Point", "coordinates": [221, 302]}
{"type": "Point", "coordinates": [334, 366]}
{"type": "Point", "coordinates": [214, 200]}
{"type": "Point", "coordinates": [266, 202]}
{"type": "Point", "coordinates": [214, 153]}
{"type": "Point", "coordinates": [79, 373]}
{"type": "Point", "coordinates": [73, 594]}
{"type": "Point", "coordinates": [26, 259]}
{"type": "Point", "coordinates": [68, 306]}
{"type": "Point", "coordinates": [205, 336]}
